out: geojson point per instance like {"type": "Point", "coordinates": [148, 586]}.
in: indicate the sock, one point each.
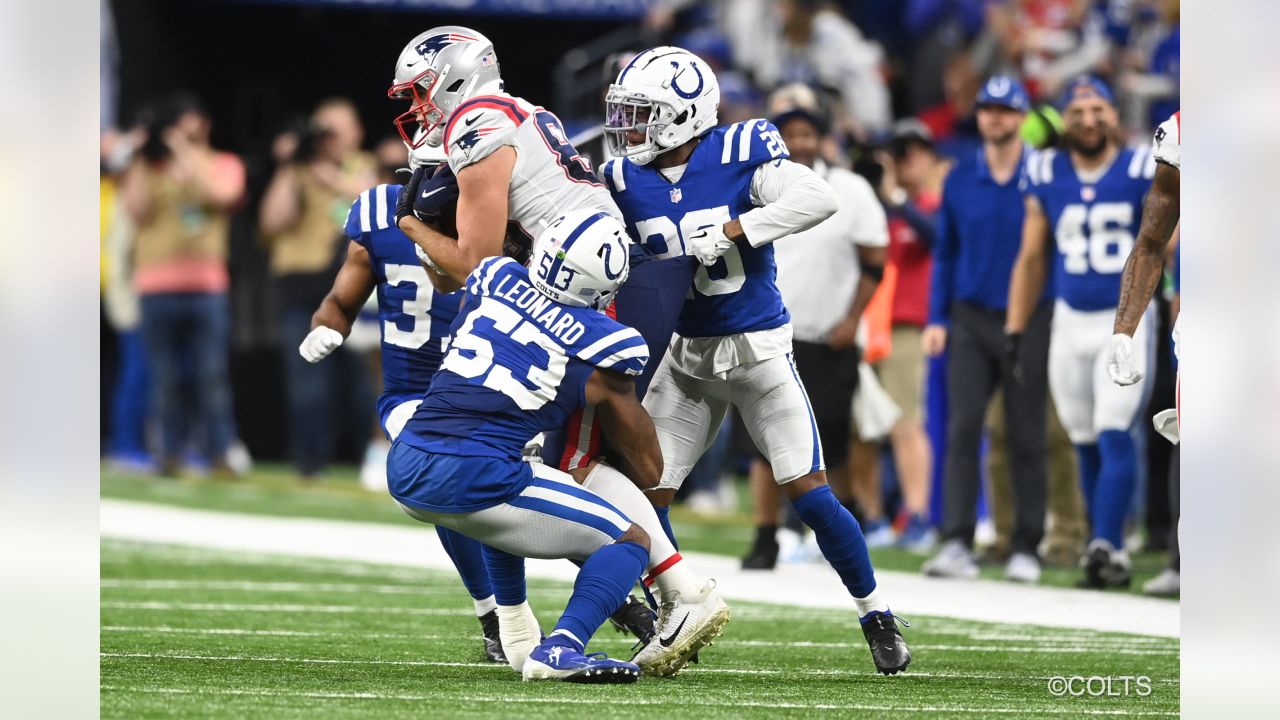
{"type": "Point", "coordinates": [665, 520]}
{"type": "Point", "coordinates": [665, 563]}
{"type": "Point", "coordinates": [603, 583]}
{"type": "Point", "coordinates": [1090, 462]}
{"type": "Point", "coordinates": [840, 539]}
{"type": "Point", "coordinates": [766, 535]}
{"type": "Point", "coordinates": [871, 603]}
{"type": "Point", "coordinates": [469, 560]}
{"type": "Point", "coordinates": [506, 573]}
{"type": "Point", "coordinates": [485, 606]}
{"type": "Point", "coordinates": [1114, 492]}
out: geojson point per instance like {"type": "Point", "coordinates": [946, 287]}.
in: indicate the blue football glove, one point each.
{"type": "Point", "coordinates": [409, 191]}
{"type": "Point", "coordinates": [435, 193]}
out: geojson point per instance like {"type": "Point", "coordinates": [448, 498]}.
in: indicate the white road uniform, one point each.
{"type": "Point", "coordinates": [549, 176]}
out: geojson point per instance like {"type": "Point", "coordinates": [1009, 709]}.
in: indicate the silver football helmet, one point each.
{"type": "Point", "coordinates": [439, 70]}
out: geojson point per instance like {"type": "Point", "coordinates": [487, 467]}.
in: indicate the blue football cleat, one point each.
{"type": "Point", "coordinates": [557, 662]}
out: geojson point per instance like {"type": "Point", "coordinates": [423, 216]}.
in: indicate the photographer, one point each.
{"type": "Point", "coordinates": [320, 172]}
{"type": "Point", "coordinates": [179, 193]}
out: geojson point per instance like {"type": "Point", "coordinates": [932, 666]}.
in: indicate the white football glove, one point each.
{"type": "Point", "coordinates": [318, 343]}
{"type": "Point", "coordinates": [708, 244]}
{"type": "Point", "coordinates": [1120, 360]}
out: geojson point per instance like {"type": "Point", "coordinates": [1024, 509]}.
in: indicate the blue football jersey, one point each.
{"type": "Point", "coordinates": [739, 293]}
{"type": "Point", "coordinates": [413, 318]}
{"type": "Point", "coordinates": [518, 365]}
{"type": "Point", "coordinates": [1093, 224]}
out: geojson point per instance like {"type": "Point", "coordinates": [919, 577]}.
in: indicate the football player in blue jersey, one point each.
{"type": "Point", "coordinates": [511, 161]}
{"type": "Point", "coordinates": [723, 195]}
{"type": "Point", "coordinates": [414, 324]}
{"type": "Point", "coordinates": [530, 347]}
{"type": "Point", "coordinates": [1082, 210]}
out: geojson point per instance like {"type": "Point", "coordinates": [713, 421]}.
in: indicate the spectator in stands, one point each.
{"type": "Point", "coordinates": [979, 233]}
{"type": "Point", "coordinates": [321, 170]}
{"type": "Point", "coordinates": [827, 275]}
{"type": "Point", "coordinates": [810, 42]}
{"type": "Point", "coordinates": [179, 192]}
{"type": "Point", "coordinates": [912, 192]}
{"type": "Point", "coordinates": [1049, 41]}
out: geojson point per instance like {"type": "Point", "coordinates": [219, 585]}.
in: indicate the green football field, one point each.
{"type": "Point", "coordinates": [189, 632]}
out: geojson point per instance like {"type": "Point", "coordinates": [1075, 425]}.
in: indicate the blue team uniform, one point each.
{"type": "Point", "coordinates": [413, 318]}
{"type": "Point", "coordinates": [1092, 224]}
{"type": "Point", "coordinates": [518, 365]}
{"type": "Point", "coordinates": [738, 294]}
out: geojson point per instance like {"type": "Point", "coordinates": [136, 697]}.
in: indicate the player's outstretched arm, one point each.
{"type": "Point", "coordinates": [331, 322]}
{"type": "Point", "coordinates": [791, 198]}
{"type": "Point", "coordinates": [481, 217]}
{"type": "Point", "coordinates": [1145, 266]}
{"type": "Point", "coordinates": [627, 426]}
{"type": "Point", "coordinates": [1027, 281]}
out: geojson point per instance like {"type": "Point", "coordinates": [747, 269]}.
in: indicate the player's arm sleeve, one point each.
{"type": "Point", "coordinates": [478, 128]}
{"type": "Point", "coordinates": [622, 350]}
{"type": "Point", "coordinates": [1167, 143]}
{"type": "Point", "coordinates": [943, 264]}
{"type": "Point", "coordinates": [790, 198]}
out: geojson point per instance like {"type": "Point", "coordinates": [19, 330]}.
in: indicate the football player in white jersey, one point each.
{"type": "Point", "coordinates": [723, 195]}
{"type": "Point", "coordinates": [512, 161]}
{"type": "Point", "coordinates": [1145, 266]}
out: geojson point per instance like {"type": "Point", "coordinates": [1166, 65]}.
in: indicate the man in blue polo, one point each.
{"type": "Point", "coordinates": [979, 233]}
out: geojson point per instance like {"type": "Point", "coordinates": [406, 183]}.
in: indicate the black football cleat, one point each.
{"type": "Point", "coordinates": [489, 632]}
{"type": "Point", "coordinates": [635, 618]}
{"type": "Point", "coordinates": [888, 649]}
{"type": "Point", "coordinates": [1104, 568]}
{"type": "Point", "coordinates": [763, 555]}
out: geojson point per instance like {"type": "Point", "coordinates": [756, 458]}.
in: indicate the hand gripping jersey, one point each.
{"type": "Point", "coordinates": [1093, 221]}
{"type": "Point", "coordinates": [414, 319]}
{"type": "Point", "coordinates": [737, 294]}
{"type": "Point", "coordinates": [549, 176]}
{"type": "Point", "coordinates": [1167, 144]}
{"type": "Point", "coordinates": [518, 365]}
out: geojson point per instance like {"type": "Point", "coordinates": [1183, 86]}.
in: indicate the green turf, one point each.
{"type": "Point", "coordinates": [189, 632]}
{"type": "Point", "coordinates": [275, 490]}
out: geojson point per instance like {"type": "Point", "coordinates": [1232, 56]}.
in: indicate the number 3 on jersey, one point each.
{"type": "Point", "coordinates": [666, 240]}
{"type": "Point", "coordinates": [416, 308]}
{"type": "Point", "coordinates": [1107, 245]}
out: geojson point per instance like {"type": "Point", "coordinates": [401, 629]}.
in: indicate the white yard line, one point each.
{"type": "Point", "coordinates": [1049, 648]}
{"type": "Point", "coordinates": [514, 700]}
{"type": "Point", "coordinates": [807, 586]}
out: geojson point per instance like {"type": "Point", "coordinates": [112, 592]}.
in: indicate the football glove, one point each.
{"type": "Point", "coordinates": [318, 343]}
{"type": "Point", "coordinates": [408, 193]}
{"type": "Point", "coordinates": [708, 244]}
{"type": "Point", "coordinates": [435, 193]}
{"type": "Point", "coordinates": [1120, 360]}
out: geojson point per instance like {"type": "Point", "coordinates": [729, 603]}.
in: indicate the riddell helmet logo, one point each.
{"type": "Point", "coordinates": [434, 44]}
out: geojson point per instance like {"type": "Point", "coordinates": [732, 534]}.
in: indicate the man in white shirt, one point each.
{"type": "Point", "coordinates": [827, 275]}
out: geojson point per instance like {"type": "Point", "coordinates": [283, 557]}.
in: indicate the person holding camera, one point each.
{"type": "Point", "coordinates": [179, 193]}
{"type": "Point", "coordinates": [320, 171]}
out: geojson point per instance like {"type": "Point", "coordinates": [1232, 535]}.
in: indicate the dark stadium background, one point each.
{"type": "Point", "coordinates": [257, 65]}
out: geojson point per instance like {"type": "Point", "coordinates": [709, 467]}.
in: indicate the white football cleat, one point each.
{"type": "Point", "coordinates": [519, 631]}
{"type": "Point", "coordinates": [685, 626]}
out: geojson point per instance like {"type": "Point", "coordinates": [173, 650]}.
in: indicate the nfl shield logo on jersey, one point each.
{"type": "Point", "coordinates": [676, 195]}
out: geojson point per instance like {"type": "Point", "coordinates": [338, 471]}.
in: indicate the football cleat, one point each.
{"type": "Point", "coordinates": [557, 662]}
{"type": "Point", "coordinates": [492, 637]}
{"type": "Point", "coordinates": [953, 560]}
{"type": "Point", "coordinates": [764, 553]}
{"type": "Point", "coordinates": [685, 626]}
{"type": "Point", "coordinates": [1104, 567]}
{"type": "Point", "coordinates": [519, 632]}
{"type": "Point", "coordinates": [634, 618]}
{"type": "Point", "coordinates": [888, 649]}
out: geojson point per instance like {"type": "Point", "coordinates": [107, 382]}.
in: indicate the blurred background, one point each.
{"type": "Point", "coordinates": [278, 111]}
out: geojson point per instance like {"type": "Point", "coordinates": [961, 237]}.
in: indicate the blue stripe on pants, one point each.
{"type": "Point", "coordinates": [547, 507]}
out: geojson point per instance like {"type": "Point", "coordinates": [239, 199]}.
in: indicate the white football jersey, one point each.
{"type": "Point", "coordinates": [549, 177]}
{"type": "Point", "coordinates": [1168, 141]}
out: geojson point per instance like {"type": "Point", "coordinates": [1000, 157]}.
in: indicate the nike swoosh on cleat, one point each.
{"type": "Point", "coordinates": [666, 641]}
